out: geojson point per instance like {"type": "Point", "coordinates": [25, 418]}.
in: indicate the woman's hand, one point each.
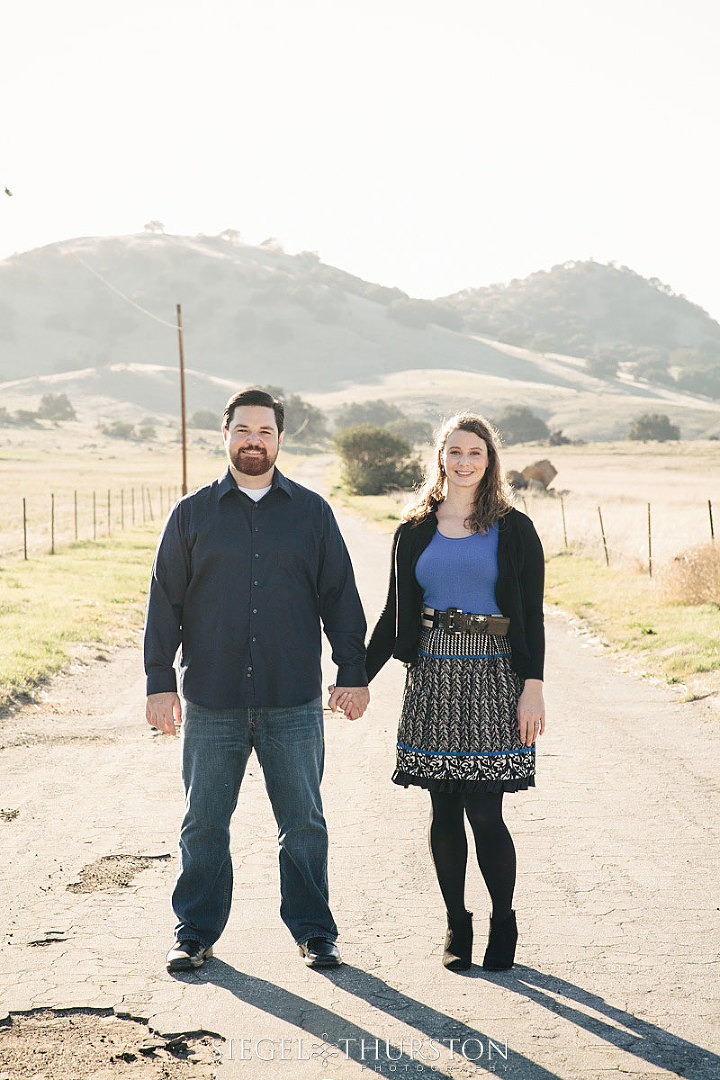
{"type": "Point", "coordinates": [531, 712]}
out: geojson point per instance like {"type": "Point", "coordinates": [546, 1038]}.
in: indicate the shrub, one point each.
{"type": "Point", "coordinates": [205, 419]}
{"type": "Point", "coordinates": [693, 577]}
{"type": "Point", "coordinates": [146, 431]}
{"type": "Point", "coordinates": [375, 461]}
{"type": "Point", "coordinates": [55, 407]}
{"type": "Point", "coordinates": [411, 428]}
{"type": "Point", "coordinates": [25, 418]}
{"type": "Point", "coordinates": [119, 430]}
{"type": "Point", "coordinates": [602, 367]}
{"type": "Point", "coordinates": [519, 424]}
{"type": "Point", "coordinates": [376, 413]}
{"type": "Point", "coordinates": [652, 426]}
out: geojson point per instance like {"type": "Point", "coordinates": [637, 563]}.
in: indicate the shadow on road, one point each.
{"type": "Point", "coordinates": [336, 1035]}
{"type": "Point", "coordinates": [644, 1040]}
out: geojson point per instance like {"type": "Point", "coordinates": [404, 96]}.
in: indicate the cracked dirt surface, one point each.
{"type": "Point", "coordinates": [617, 901]}
{"type": "Point", "coordinates": [98, 1045]}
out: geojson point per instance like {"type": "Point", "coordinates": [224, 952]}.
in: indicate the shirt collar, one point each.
{"type": "Point", "coordinates": [227, 483]}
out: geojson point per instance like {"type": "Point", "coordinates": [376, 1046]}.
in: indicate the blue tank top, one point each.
{"type": "Point", "coordinates": [460, 573]}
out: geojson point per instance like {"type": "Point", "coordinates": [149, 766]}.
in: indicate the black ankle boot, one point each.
{"type": "Point", "coordinates": [502, 939]}
{"type": "Point", "coordinates": [458, 943]}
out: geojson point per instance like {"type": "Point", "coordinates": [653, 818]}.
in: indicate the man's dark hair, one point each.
{"type": "Point", "coordinates": [255, 397]}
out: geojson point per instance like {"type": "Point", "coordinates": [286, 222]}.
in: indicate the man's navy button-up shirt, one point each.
{"type": "Point", "coordinates": [242, 588]}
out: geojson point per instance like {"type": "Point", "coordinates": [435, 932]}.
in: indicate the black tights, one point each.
{"type": "Point", "coordinates": [493, 844]}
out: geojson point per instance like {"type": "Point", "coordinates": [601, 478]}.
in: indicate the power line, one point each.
{"type": "Point", "coordinates": [127, 299]}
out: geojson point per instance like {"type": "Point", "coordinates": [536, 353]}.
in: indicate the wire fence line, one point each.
{"type": "Point", "coordinates": [42, 523]}
{"type": "Point", "coordinates": [620, 532]}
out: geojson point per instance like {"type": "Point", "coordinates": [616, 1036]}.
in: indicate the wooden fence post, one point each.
{"type": "Point", "coordinates": [602, 530]}
{"type": "Point", "coordinates": [562, 507]}
{"type": "Point", "coordinates": [132, 504]}
{"type": "Point", "coordinates": [712, 528]}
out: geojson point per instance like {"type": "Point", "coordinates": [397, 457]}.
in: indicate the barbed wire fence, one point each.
{"type": "Point", "coordinates": [619, 533]}
{"type": "Point", "coordinates": [41, 524]}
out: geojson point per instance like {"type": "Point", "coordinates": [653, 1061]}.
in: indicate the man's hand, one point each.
{"type": "Point", "coordinates": [163, 712]}
{"type": "Point", "coordinates": [353, 700]}
{"type": "Point", "coordinates": [531, 712]}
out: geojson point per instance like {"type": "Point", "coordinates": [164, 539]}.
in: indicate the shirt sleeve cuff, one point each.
{"type": "Point", "coordinates": [350, 675]}
{"type": "Point", "coordinates": [162, 682]}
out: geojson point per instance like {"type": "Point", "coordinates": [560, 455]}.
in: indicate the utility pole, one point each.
{"type": "Point", "coordinates": [182, 401]}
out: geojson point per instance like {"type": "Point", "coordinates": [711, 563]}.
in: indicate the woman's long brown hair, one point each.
{"type": "Point", "coordinates": [493, 498]}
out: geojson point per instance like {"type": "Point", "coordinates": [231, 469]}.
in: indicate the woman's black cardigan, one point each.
{"type": "Point", "coordinates": [519, 595]}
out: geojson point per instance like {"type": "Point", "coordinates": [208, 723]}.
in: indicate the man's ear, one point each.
{"type": "Point", "coordinates": [281, 436]}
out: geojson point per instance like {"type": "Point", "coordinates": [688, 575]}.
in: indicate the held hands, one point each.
{"type": "Point", "coordinates": [531, 712]}
{"type": "Point", "coordinates": [163, 712]}
{"type": "Point", "coordinates": [353, 700]}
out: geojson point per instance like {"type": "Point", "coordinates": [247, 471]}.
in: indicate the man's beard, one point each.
{"type": "Point", "coordinates": [255, 465]}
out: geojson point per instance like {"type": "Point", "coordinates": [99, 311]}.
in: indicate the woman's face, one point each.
{"type": "Point", "coordinates": [465, 459]}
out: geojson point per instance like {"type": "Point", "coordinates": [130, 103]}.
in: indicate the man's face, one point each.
{"type": "Point", "coordinates": [252, 441]}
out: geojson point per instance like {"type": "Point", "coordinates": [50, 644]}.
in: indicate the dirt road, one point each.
{"type": "Point", "coordinates": [617, 895]}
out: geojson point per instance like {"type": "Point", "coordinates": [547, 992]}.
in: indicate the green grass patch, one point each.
{"type": "Point", "coordinates": [383, 511]}
{"type": "Point", "coordinates": [673, 641]}
{"type": "Point", "coordinates": [91, 593]}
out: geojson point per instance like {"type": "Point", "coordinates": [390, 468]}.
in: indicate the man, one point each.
{"type": "Point", "coordinates": [246, 569]}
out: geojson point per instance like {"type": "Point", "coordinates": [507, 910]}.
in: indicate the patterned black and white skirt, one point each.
{"type": "Point", "coordinates": [458, 727]}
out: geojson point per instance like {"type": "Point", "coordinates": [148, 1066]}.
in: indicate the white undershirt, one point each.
{"type": "Point", "coordinates": [256, 494]}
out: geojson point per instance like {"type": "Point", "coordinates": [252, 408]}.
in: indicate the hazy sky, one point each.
{"type": "Point", "coordinates": [430, 145]}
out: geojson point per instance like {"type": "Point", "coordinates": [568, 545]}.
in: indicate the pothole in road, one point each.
{"type": "Point", "coordinates": [97, 1044]}
{"type": "Point", "coordinates": [112, 872]}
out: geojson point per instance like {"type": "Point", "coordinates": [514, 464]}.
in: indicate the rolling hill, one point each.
{"type": "Point", "coordinates": [94, 318]}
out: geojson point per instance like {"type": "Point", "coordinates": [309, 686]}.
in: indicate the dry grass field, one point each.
{"type": "Point", "coordinates": [677, 479]}
{"type": "Point", "coordinates": [62, 459]}
{"type": "Point", "coordinates": [91, 593]}
{"type": "Point", "coordinates": [621, 603]}
{"type": "Point", "coordinates": [666, 626]}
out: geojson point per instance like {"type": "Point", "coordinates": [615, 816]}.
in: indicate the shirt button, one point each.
{"type": "Point", "coordinates": [257, 556]}
{"type": "Point", "coordinates": [255, 583]}
{"type": "Point", "coordinates": [249, 669]}
{"type": "Point", "coordinates": [254, 611]}
{"type": "Point", "coordinates": [254, 639]}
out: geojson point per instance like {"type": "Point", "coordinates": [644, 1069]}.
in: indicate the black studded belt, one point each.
{"type": "Point", "coordinates": [456, 621]}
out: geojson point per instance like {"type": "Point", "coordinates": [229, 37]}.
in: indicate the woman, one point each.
{"type": "Point", "coordinates": [465, 562]}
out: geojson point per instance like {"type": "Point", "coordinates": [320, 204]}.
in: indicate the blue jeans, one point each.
{"type": "Point", "coordinates": [290, 747]}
